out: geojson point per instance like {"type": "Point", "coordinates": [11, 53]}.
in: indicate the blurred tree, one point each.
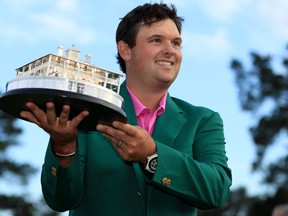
{"type": "Point", "coordinates": [261, 87]}
{"type": "Point", "coordinates": [263, 91]}
{"type": "Point", "coordinates": [14, 172]}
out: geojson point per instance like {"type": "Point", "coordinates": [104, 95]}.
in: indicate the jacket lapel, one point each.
{"type": "Point", "coordinates": [169, 124]}
{"type": "Point", "coordinates": [128, 105]}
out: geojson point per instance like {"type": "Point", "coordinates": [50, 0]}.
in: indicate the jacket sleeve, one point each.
{"type": "Point", "coordinates": [63, 187]}
{"type": "Point", "coordinates": [199, 174]}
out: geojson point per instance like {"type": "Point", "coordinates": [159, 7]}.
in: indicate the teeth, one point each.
{"type": "Point", "coordinates": [164, 63]}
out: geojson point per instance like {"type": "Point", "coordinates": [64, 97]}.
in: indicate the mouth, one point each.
{"type": "Point", "coordinates": [165, 63]}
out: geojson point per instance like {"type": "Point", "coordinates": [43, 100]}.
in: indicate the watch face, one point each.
{"type": "Point", "coordinates": [153, 164]}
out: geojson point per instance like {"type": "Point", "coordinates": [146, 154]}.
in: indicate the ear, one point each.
{"type": "Point", "coordinates": [124, 50]}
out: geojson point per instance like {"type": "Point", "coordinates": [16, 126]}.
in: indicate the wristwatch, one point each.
{"type": "Point", "coordinates": [152, 163]}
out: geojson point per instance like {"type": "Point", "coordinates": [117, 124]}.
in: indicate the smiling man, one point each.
{"type": "Point", "coordinates": [169, 159]}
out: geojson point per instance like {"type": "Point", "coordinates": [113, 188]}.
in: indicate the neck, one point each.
{"type": "Point", "coordinates": [150, 98]}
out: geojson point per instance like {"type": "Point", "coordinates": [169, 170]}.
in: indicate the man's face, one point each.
{"type": "Point", "coordinates": [156, 57]}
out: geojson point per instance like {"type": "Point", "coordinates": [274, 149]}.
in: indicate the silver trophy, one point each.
{"type": "Point", "coordinates": [64, 79]}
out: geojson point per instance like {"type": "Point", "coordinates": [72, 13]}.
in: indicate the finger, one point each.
{"type": "Point", "coordinates": [29, 117]}
{"type": "Point", "coordinates": [112, 131]}
{"type": "Point", "coordinates": [64, 115]}
{"type": "Point", "coordinates": [113, 135]}
{"type": "Point", "coordinates": [105, 131]}
{"type": "Point", "coordinates": [51, 114]}
{"type": "Point", "coordinates": [117, 144]}
{"type": "Point", "coordinates": [111, 139]}
{"type": "Point", "coordinates": [78, 119]}
{"type": "Point", "coordinates": [38, 113]}
{"type": "Point", "coordinates": [124, 127]}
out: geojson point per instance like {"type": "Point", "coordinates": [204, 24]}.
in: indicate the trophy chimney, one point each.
{"type": "Point", "coordinates": [88, 58]}
{"type": "Point", "coordinates": [73, 53]}
{"type": "Point", "coordinates": [60, 50]}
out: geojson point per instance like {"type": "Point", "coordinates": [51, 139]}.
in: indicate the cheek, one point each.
{"type": "Point", "coordinates": [179, 56]}
{"type": "Point", "coordinates": [147, 53]}
{"type": "Point", "coordinates": [142, 53]}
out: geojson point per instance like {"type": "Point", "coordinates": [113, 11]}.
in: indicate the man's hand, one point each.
{"type": "Point", "coordinates": [133, 143]}
{"type": "Point", "coordinates": [63, 131]}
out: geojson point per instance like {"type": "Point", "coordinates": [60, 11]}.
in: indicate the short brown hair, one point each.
{"type": "Point", "coordinates": [148, 13]}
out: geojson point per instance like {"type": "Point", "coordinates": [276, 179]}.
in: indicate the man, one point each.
{"type": "Point", "coordinates": [280, 210]}
{"type": "Point", "coordinates": [169, 159]}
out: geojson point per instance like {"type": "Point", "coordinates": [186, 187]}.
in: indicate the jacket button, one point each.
{"type": "Point", "coordinates": [54, 171]}
{"type": "Point", "coordinates": [166, 181]}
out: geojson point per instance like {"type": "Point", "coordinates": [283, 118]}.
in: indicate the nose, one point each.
{"type": "Point", "coordinates": [168, 49]}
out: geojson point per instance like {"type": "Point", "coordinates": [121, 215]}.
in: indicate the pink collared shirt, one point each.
{"type": "Point", "coordinates": [146, 117]}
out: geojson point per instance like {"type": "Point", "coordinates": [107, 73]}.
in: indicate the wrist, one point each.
{"type": "Point", "coordinates": [69, 155]}
{"type": "Point", "coordinates": [64, 151]}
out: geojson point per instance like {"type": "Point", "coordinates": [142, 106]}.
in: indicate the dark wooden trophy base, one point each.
{"type": "Point", "coordinates": [100, 111]}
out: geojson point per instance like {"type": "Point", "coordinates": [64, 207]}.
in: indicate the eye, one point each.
{"type": "Point", "coordinates": [156, 40]}
{"type": "Point", "coordinates": [176, 43]}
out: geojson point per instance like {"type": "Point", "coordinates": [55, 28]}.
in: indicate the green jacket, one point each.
{"type": "Point", "coordinates": [192, 170]}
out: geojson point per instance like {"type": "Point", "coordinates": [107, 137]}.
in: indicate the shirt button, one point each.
{"type": "Point", "coordinates": [166, 181]}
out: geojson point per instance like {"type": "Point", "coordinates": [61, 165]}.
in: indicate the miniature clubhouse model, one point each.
{"type": "Point", "coordinates": [64, 79]}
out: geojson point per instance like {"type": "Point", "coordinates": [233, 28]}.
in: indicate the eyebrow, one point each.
{"type": "Point", "coordinates": [161, 36]}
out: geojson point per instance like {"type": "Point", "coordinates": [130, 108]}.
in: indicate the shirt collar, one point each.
{"type": "Point", "coordinates": [139, 107]}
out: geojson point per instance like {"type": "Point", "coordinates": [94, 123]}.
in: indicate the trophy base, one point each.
{"type": "Point", "coordinates": [100, 111]}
